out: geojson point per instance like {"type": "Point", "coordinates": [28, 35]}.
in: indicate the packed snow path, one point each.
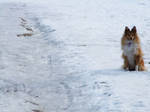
{"type": "Point", "coordinates": [64, 56]}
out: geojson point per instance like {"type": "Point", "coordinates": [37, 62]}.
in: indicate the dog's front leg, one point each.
{"type": "Point", "coordinates": [126, 63]}
{"type": "Point", "coordinates": [139, 63]}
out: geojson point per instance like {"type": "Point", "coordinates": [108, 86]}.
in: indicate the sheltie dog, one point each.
{"type": "Point", "coordinates": [132, 53]}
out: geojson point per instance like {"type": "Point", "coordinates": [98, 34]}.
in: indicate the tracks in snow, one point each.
{"type": "Point", "coordinates": [57, 76]}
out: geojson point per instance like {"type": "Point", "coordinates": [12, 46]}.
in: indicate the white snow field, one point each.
{"type": "Point", "coordinates": [65, 56]}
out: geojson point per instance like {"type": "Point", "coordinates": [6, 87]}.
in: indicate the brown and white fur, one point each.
{"type": "Point", "coordinates": [132, 53]}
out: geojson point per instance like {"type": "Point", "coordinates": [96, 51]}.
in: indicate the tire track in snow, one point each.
{"type": "Point", "coordinates": [14, 61]}
{"type": "Point", "coordinates": [54, 59]}
{"type": "Point", "coordinates": [86, 90]}
{"type": "Point", "coordinates": [108, 102]}
{"type": "Point", "coordinates": [69, 95]}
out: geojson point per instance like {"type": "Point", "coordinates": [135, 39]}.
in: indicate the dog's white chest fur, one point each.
{"type": "Point", "coordinates": [129, 50]}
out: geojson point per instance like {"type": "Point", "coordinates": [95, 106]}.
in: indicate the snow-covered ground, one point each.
{"type": "Point", "coordinates": [65, 56]}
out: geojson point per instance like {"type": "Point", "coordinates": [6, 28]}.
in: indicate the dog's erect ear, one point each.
{"type": "Point", "coordinates": [134, 29]}
{"type": "Point", "coordinates": [127, 30]}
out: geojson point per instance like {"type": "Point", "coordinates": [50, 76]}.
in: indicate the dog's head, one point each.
{"type": "Point", "coordinates": [130, 34]}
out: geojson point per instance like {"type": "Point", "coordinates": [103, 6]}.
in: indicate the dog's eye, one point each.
{"type": "Point", "coordinates": [131, 38]}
